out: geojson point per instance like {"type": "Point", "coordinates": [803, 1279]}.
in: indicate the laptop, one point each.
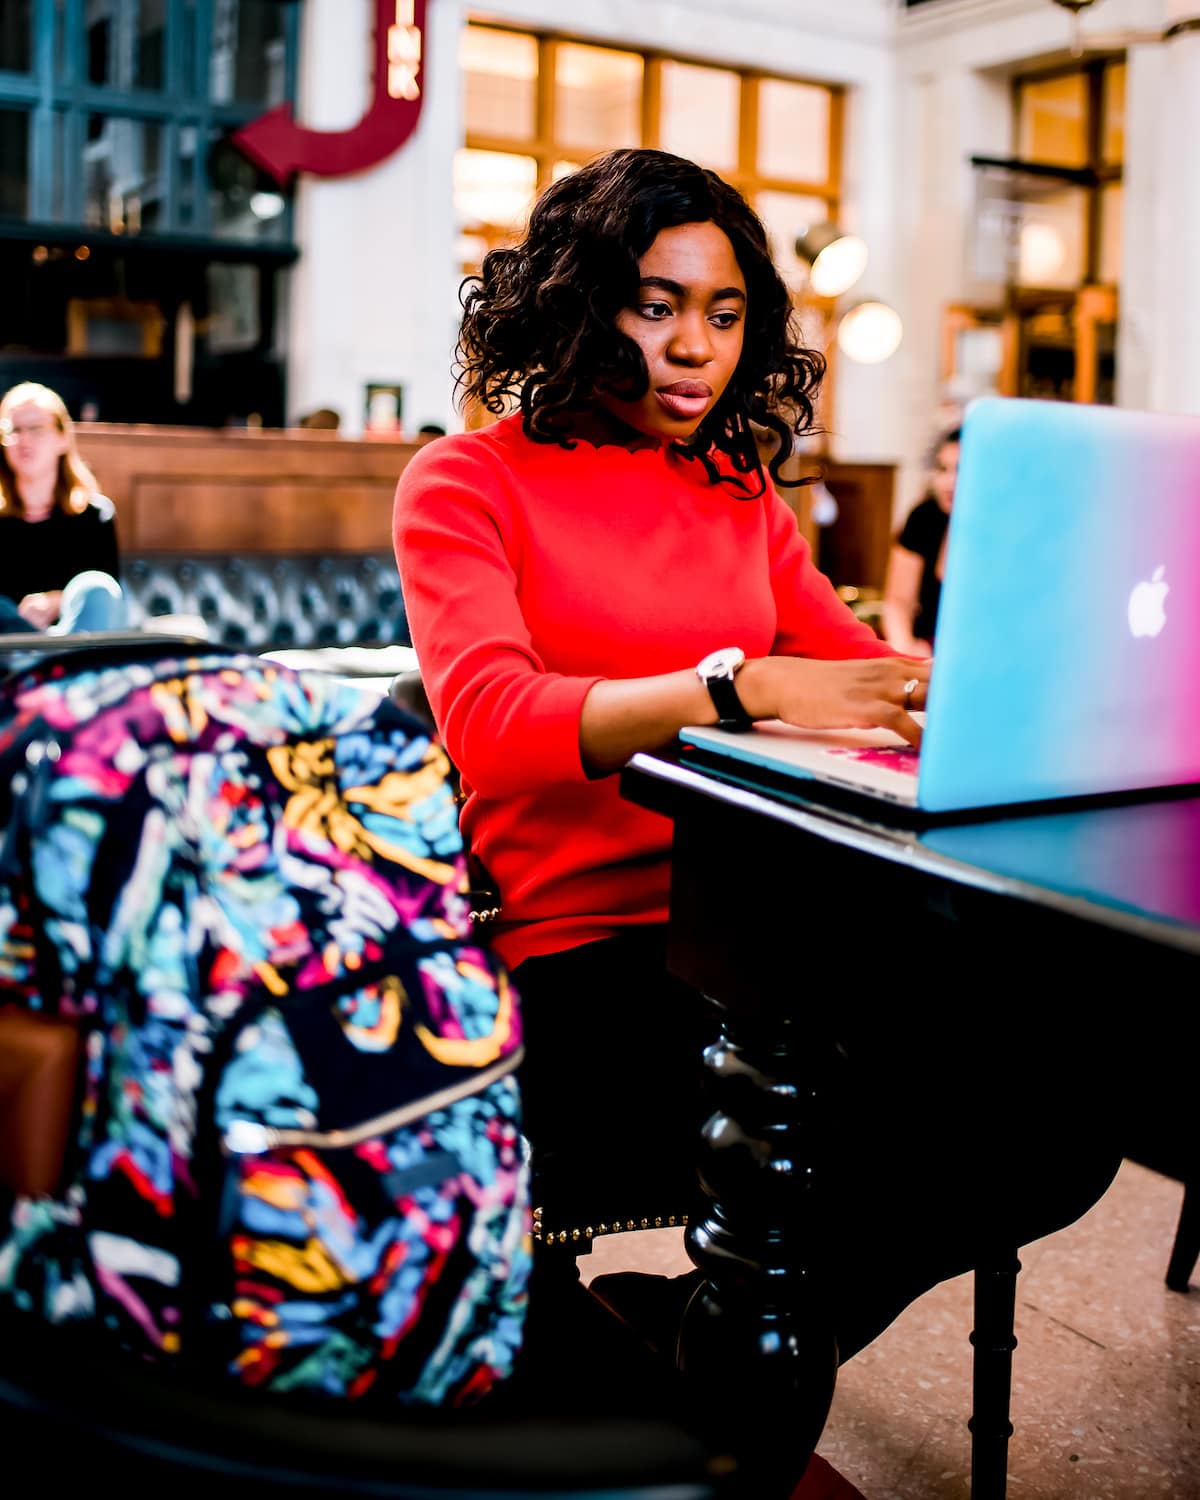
{"type": "Point", "coordinates": [1067, 658]}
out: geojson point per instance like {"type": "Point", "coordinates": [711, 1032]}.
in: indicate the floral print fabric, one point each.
{"type": "Point", "coordinates": [297, 1160]}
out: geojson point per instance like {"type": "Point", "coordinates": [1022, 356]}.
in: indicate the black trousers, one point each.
{"type": "Point", "coordinates": [930, 1154]}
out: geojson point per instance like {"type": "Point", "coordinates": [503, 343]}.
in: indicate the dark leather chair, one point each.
{"type": "Point", "coordinates": [273, 602]}
{"type": "Point", "coordinates": [589, 1412]}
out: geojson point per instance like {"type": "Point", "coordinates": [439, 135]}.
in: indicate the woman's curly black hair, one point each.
{"type": "Point", "coordinates": [540, 322]}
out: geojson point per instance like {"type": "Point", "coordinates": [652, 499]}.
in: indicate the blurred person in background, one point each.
{"type": "Point", "coordinates": [913, 588]}
{"type": "Point", "coordinates": [58, 538]}
{"type": "Point", "coordinates": [324, 419]}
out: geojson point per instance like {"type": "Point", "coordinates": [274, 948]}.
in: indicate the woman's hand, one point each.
{"type": "Point", "coordinates": [41, 610]}
{"type": "Point", "coordinates": [861, 694]}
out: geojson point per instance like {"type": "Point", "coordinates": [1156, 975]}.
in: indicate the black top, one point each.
{"type": "Point", "coordinates": [923, 533]}
{"type": "Point", "coordinates": [37, 556]}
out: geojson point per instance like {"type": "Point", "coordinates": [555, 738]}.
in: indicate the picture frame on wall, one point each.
{"type": "Point", "coordinates": [384, 407]}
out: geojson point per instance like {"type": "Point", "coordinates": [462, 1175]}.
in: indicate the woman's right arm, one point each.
{"type": "Point", "coordinates": [508, 723]}
{"type": "Point", "coordinates": [827, 671]}
{"type": "Point", "coordinates": [622, 716]}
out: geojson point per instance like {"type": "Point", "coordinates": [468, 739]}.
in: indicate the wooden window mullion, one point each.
{"type": "Point", "coordinates": [1094, 126]}
{"type": "Point", "coordinates": [828, 188]}
{"type": "Point", "coordinates": [748, 133]}
{"type": "Point", "coordinates": [837, 137]}
{"type": "Point", "coordinates": [652, 76]}
{"type": "Point", "coordinates": [546, 146]}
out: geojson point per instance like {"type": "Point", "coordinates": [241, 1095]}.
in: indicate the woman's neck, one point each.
{"type": "Point", "coordinates": [37, 497]}
{"type": "Point", "coordinates": [598, 426]}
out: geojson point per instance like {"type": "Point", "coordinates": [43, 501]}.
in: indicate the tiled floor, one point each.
{"type": "Point", "coordinates": [1106, 1377]}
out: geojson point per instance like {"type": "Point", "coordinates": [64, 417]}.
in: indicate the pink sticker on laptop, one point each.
{"type": "Point", "coordinates": [900, 758]}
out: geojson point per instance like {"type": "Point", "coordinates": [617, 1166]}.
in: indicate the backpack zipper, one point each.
{"type": "Point", "coordinates": [248, 1138]}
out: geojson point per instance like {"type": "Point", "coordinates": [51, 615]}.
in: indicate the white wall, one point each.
{"type": "Point", "coordinates": [373, 297]}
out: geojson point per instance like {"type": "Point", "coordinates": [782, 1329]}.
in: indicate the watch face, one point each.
{"type": "Point", "coordinates": [722, 663]}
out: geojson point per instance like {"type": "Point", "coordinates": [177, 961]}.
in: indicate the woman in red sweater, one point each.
{"type": "Point", "coordinates": [583, 578]}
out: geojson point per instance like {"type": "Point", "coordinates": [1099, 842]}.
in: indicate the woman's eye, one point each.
{"type": "Point", "coordinates": [724, 319]}
{"type": "Point", "coordinates": [656, 311]}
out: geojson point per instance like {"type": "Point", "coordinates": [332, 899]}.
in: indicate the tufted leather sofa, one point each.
{"type": "Point", "coordinates": [273, 601]}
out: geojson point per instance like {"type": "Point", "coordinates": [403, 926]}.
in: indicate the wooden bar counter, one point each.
{"type": "Point", "coordinates": [206, 491]}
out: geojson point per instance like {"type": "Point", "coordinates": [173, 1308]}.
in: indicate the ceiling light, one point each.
{"type": "Point", "coordinates": [266, 205]}
{"type": "Point", "coordinates": [836, 260]}
{"type": "Point", "coordinates": [870, 332]}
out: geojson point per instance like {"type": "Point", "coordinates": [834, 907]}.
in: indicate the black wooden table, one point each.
{"type": "Point", "coordinates": [1092, 913]}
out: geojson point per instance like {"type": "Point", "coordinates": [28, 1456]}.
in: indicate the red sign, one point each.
{"type": "Point", "coordinates": [281, 147]}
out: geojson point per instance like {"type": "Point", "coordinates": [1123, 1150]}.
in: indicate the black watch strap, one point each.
{"type": "Point", "coordinates": [731, 714]}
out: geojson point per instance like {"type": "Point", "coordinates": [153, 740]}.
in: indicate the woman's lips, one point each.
{"type": "Point", "coordinates": [686, 399]}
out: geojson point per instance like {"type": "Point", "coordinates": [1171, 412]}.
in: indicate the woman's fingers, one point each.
{"type": "Point", "coordinates": [901, 723]}
{"type": "Point", "coordinates": [880, 692]}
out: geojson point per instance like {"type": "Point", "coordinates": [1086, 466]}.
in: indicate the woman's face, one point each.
{"type": "Point", "coordinates": [688, 321]}
{"type": "Point", "coordinates": [945, 474]}
{"type": "Point", "coordinates": [33, 441]}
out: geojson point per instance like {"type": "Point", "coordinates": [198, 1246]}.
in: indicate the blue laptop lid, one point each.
{"type": "Point", "coordinates": [1067, 656]}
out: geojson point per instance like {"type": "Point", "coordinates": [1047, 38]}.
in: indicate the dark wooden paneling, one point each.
{"type": "Point", "coordinates": [188, 489]}
{"type": "Point", "coordinates": [198, 490]}
{"type": "Point", "coordinates": [854, 550]}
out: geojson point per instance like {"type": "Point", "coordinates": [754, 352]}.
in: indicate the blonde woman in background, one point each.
{"type": "Point", "coordinates": [58, 539]}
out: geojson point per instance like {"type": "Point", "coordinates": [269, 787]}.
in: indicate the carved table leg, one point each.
{"type": "Point", "coordinates": [756, 1337]}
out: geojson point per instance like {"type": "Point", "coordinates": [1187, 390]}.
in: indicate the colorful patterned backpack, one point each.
{"type": "Point", "coordinates": [295, 1161]}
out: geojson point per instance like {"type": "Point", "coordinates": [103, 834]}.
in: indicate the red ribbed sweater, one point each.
{"type": "Point", "coordinates": [529, 573]}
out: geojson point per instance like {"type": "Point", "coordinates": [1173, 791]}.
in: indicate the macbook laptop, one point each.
{"type": "Point", "coordinates": [1067, 658]}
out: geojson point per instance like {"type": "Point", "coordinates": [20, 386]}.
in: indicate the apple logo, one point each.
{"type": "Point", "coordinates": [1146, 613]}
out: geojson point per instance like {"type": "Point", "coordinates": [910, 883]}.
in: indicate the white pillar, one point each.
{"type": "Point", "coordinates": [1176, 386]}
{"type": "Point", "coordinates": [1144, 320]}
{"type": "Point", "coordinates": [946, 116]}
{"type": "Point", "coordinates": [373, 297]}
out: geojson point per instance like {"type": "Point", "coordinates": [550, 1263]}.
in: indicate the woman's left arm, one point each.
{"type": "Point", "coordinates": [108, 558]}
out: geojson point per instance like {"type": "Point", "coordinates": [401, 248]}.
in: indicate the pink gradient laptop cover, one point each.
{"type": "Point", "coordinates": [1067, 658]}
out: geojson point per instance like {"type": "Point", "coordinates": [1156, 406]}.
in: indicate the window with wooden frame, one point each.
{"type": "Point", "coordinates": [540, 105]}
{"type": "Point", "coordinates": [1056, 204]}
{"type": "Point", "coordinates": [1074, 119]}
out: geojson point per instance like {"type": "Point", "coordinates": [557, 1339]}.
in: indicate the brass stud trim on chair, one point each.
{"type": "Point", "coordinates": [594, 1231]}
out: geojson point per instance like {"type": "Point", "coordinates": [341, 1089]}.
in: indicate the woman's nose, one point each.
{"type": "Point", "coordinates": [690, 343]}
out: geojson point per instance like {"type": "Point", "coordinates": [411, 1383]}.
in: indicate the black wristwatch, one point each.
{"type": "Point", "coordinates": [716, 672]}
